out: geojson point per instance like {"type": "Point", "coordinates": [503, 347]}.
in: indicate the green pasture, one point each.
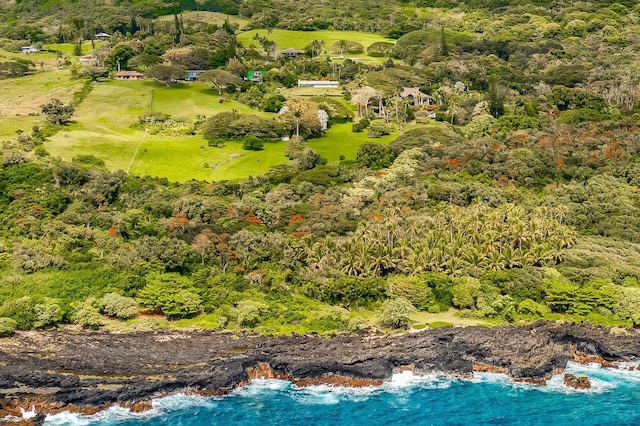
{"type": "Point", "coordinates": [212, 18]}
{"type": "Point", "coordinates": [68, 47]}
{"type": "Point", "coordinates": [36, 58]}
{"type": "Point", "coordinates": [299, 39]}
{"type": "Point", "coordinates": [24, 95]}
{"type": "Point", "coordinates": [103, 127]}
{"type": "Point", "coordinates": [191, 99]}
{"type": "Point", "coordinates": [9, 125]}
{"type": "Point", "coordinates": [340, 140]}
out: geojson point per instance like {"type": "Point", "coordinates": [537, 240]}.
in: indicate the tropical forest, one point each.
{"type": "Point", "coordinates": [279, 166]}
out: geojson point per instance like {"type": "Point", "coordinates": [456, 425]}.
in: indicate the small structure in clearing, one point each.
{"type": "Point", "coordinates": [319, 84]}
{"type": "Point", "coordinates": [192, 75]}
{"type": "Point", "coordinates": [87, 59]}
{"type": "Point", "coordinates": [255, 76]}
{"type": "Point", "coordinates": [291, 53]}
{"type": "Point", "coordinates": [129, 75]}
{"type": "Point", "coordinates": [29, 49]}
{"type": "Point", "coordinates": [414, 95]}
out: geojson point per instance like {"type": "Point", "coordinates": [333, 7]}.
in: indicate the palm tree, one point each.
{"type": "Point", "coordinates": [316, 46]}
{"type": "Point", "coordinates": [298, 116]}
{"type": "Point", "coordinates": [342, 44]}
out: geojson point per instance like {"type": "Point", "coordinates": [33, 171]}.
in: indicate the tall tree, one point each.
{"type": "Point", "coordinates": [220, 79]}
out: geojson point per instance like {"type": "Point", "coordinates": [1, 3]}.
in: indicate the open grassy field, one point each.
{"type": "Point", "coordinates": [9, 125]}
{"type": "Point", "coordinates": [299, 39]}
{"type": "Point", "coordinates": [103, 127]}
{"type": "Point", "coordinates": [340, 140]}
{"type": "Point", "coordinates": [68, 47]}
{"type": "Point", "coordinates": [212, 18]}
{"type": "Point", "coordinates": [37, 58]}
{"type": "Point", "coordinates": [24, 95]}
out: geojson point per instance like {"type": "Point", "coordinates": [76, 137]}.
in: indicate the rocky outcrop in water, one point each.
{"type": "Point", "coordinates": [576, 382]}
{"type": "Point", "coordinates": [88, 371]}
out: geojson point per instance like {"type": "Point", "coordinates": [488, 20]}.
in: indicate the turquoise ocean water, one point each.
{"type": "Point", "coordinates": [407, 400]}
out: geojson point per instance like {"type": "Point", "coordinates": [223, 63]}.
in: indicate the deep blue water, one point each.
{"type": "Point", "coordinates": [407, 400]}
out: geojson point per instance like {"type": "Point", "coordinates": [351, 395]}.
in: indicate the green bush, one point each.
{"type": "Point", "coordinates": [170, 294]}
{"type": "Point", "coordinates": [252, 143]}
{"type": "Point", "coordinates": [21, 311]}
{"type": "Point", "coordinates": [415, 289]}
{"type": "Point", "coordinates": [249, 313]}
{"type": "Point", "coordinates": [396, 312]}
{"type": "Point", "coordinates": [465, 291]}
{"type": "Point", "coordinates": [379, 49]}
{"type": "Point", "coordinates": [48, 312]}
{"type": "Point", "coordinates": [115, 305]}
{"type": "Point", "coordinates": [87, 314]}
{"type": "Point", "coordinates": [377, 130]}
{"type": "Point", "coordinates": [360, 125]}
{"type": "Point", "coordinates": [529, 307]}
{"type": "Point", "coordinates": [7, 326]}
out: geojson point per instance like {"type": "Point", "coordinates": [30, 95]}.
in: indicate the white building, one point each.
{"type": "Point", "coordinates": [318, 84]}
{"type": "Point", "coordinates": [29, 49]}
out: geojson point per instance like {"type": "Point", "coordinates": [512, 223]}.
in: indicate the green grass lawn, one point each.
{"type": "Point", "coordinates": [340, 140]}
{"type": "Point", "coordinates": [299, 39]}
{"type": "Point", "coordinates": [189, 100]}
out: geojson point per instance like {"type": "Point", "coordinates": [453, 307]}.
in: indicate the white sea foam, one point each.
{"type": "Point", "coordinates": [400, 383]}
{"type": "Point", "coordinates": [408, 379]}
{"type": "Point", "coordinates": [260, 386]}
{"type": "Point", "coordinates": [66, 418]}
{"type": "Point", "coordinates": [28, 414]}
{"type": "Point", "coordinates": [602, 380]}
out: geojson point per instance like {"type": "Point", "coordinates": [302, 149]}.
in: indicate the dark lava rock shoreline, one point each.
{"type": "Point", "coordinates": [57, 370]}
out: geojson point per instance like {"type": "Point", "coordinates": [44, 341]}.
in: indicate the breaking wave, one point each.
{"type": "Point", "coordinates": [407, 398]}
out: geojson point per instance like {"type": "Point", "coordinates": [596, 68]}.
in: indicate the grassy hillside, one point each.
{"type": "Point", "coordinates": [102, 127]}
{"type": "Point", "coordinates": [299, 39]}
{"type": "Point", "coordinates": [211, 18]}
{"type": "Point", "coordinates": [24, 95]}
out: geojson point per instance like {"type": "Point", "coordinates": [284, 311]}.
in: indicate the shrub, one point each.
{"type": "Point", "coordinates": [119, 306]}
{"type": "Point", "coordinates": [529, 307]}
{"type": "Point", "coordinates": [414, 289]}
{"type": "Point", "coordinates": [465, 291]}
{"type": "Point", "coordinates": [249, 313]}
{"type": "Point", "coordinates": [21, 311]}
{"type": "Point", "coordinates": [359, 126]}
{"type": "Point", "coordinates": [377, 130]}
{"type": "Point", "coordinates": [87, 314]}
{"type": "Point", "coordinates": [7, 326]}
{"type": "Point", "coordinates": [88, 160]}
{"type": "Point", "coordinates": [48, 312]}
{"type": "Point", "coordinates": [172, 295]}
{"type": "Point", "coordinates": [396, 312]}
{"type": "Point", "coordinates": [252, 143]}
{"type": "Point", "coordinates": [379, 49]}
